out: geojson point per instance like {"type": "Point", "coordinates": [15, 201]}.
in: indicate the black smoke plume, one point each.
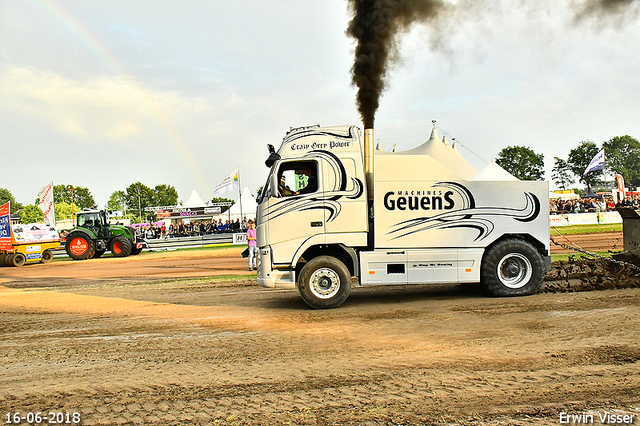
{"type": "Point", "coordinates": [376, 25]}
{"type": "Point", "coordinates": [603, 8]}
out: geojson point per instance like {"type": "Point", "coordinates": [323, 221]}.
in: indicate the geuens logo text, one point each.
{"type": "Point", "coordinates": [419, 200]}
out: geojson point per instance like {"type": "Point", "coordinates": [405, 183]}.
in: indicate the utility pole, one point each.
{"type": "Point", "coordinates": [73, 220]}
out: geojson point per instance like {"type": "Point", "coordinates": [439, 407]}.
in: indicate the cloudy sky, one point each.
{"type": "Point", "coordinates": [102, 94]}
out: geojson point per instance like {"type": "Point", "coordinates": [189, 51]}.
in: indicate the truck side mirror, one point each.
{"type": "Point", "coordinates": [273, 186]}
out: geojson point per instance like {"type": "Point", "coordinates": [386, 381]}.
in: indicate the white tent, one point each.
{"type": "Point", "coordinates": [443, 153]}
{"type": "Point", "coordinates": [493, 171]}
{"type": "Point", "coordinates": [194, 200]}
{"type": "Point", "coordinates": [249, 208]}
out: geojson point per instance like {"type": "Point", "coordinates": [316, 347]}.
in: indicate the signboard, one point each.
{"type": "Point", "coordinates": [188, 212]}
{"type": "Point", "coordinates": [240, 239]}
{"type": "Point", "coordinates": [34, 233]}
{"type": "Point", "coordinates": [5, 227]}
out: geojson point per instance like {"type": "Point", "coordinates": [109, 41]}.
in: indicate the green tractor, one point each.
{"type": "Point", "coordinates": [93, 236]}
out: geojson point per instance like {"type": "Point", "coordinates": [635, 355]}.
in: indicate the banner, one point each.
{"type": "Point", "coordinates": [46, 204]}
{"type": "Point", "coordinates": [34, 233]}
{"type": "Point", "coordinates": [5, 227]}
{"type": "Point", "coordinates": [597, 163]}
{"type": "Point", "coordinates": [228, 184]}
{"type": "Point", "coordinates": [620, 182]}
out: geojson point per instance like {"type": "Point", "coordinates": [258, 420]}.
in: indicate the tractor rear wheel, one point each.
{"type": "Point", "coordinates": [120, 246]}
{"type": "Point", "coordinates": [80, 246]}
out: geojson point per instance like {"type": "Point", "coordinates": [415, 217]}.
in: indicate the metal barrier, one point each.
{"type": "Point", "coordinates": [161, 244]}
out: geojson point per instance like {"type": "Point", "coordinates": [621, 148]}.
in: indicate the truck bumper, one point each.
{"type": "Point", "coordinates": [267, 277]}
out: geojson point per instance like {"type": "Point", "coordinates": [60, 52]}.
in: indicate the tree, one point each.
{"type": "Point", "coordinates": [522, 162]}
{"type": "Point", "coordinates": [223, 200]}
{"type": "Point", "coordinates": [623, 157]}
{"type": "Point", "coordinates": [62, 210]}
{"type": "Point", "coordinates": [259, 192]}
{"type": "Point", "coordinates": [6, 195]}
{"type": "Point", "coordinates": [138, 196]}
{"type": "Point", "coordinates": [579, 159]}
{"type": "Point", "coordinates": [560, 173]}
{"type": "Point", "coordinates": [117, 201]}
{"type": "Point", "coordinates": [82, 197]}
{"type": "Point", "coordinates": [165, 195]}
{"type": "Point", "coordinates": [31, 214]}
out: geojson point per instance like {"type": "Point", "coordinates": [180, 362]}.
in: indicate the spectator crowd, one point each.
{"type": "Point", "coordinates": [191, 229]}
{"type": "Point", "coordinates": [592, 205]}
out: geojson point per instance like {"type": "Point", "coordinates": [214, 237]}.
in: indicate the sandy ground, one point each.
{"type": "Point", "coordinates": [172, 338]}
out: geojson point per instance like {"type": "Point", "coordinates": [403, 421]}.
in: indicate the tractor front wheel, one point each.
{"type": "Point", "coordinates": [120, 246]}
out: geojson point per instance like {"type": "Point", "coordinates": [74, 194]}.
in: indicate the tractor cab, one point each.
{"type": "Point", "coordinates": [94, 220]}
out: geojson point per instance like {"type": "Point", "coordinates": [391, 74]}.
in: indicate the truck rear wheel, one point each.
{"type": "Point", "coordinates": [80, 246]}
{"type": "Point", "coordinates": [324, 283]}
{"type": "Point", "coordinates": [512, 267]}
{"type": "Point", "coordinates": [47, 256]}
{"type": "Point", "coordinates": [18, 259]}
{"type": "Point", "coordinates": [120, 246]}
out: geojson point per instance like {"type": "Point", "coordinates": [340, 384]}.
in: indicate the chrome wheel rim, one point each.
{"type": "Point", "coordinates": [324, 283]}
{"type": "Point", "coordinates": [514, 270]}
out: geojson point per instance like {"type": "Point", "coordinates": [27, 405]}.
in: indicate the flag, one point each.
{"type": "Point", "coordinates": [597, 163]}
{"type": "Point", "coordinates": [228, 184]}
{"type": "Point", "coordinates": [620, 182]}
{"type": "Point", "coordinates": [46, 204]}
{"type": "Point", "coordinates": [5, 226]}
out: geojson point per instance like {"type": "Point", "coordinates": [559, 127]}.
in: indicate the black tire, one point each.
{"type": "Point", "coordinates": [120, 246]}
{"type": "Point", "coordinates": [135, 251]}
{"type": "Point", "coordinates": [47, 256]}
{"type": "Point", "coordinates": [8, 260]}
{"type": "Point", "coordinates": [512, 267]}
{"type": "Point", "coordinates": [18, 259]}
{"type": "Point", "coordinates": [324, 282]}
{"type": "Point", "coordinates": [98, 253]}
{"type": "Point", "coordinates": [2, 260]}
{"type": "Point", "coordinates": [80, 246]}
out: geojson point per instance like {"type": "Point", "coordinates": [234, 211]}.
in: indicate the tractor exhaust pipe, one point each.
{"type": "Point", "coordinates": [368, 162]}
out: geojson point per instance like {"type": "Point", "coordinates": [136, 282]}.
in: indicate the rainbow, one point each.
{"type": "Point", "coordinates": [84, 35]}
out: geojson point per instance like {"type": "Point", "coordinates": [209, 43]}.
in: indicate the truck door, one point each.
{"type": "Point", "coordinates": [295, 213]}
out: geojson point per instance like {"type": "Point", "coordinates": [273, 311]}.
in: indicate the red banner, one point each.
{"type": "Point", "coordinates": [620, 181]}
{"type": "Point", "coordinates": [5, 227]}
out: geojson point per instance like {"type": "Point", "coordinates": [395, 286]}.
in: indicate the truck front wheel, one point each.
{"type": "Point", "coordinates": [324, 282]}
{"type": "Point", "coordinates": [512, 267]}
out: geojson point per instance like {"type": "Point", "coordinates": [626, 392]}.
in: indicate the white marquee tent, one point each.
{"type": "Point", "coordinates": [249, 208]}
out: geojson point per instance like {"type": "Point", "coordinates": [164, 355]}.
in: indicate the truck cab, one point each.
{"type": "Point", "coordinates": [314, 202]}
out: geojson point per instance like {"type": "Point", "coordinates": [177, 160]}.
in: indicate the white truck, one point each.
{"type": "Point", "coordinates": [334, 212]}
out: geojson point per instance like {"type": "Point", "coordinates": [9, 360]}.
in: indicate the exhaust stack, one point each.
{"type": "Point", "coordinates": [368, 162]}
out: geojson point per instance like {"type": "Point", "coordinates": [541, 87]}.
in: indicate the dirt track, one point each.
{"type": "Point", "coordinates": [591, 242]}
{"type": "Point", "coordinates": [122, 341]}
